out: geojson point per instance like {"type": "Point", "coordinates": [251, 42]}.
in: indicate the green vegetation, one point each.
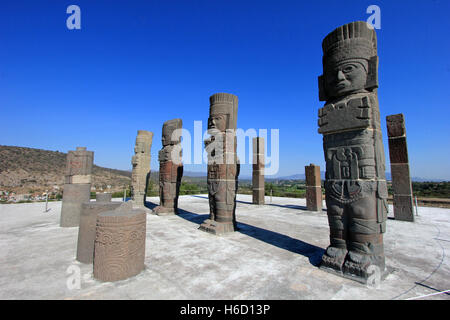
{"type": "Point", "coordinates": [431, 189]}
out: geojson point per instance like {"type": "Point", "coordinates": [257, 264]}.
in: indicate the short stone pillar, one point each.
{"type": "Point", "coordinates": [77, 187]}
{"type": "Point", "coordinates": [140, 175]}
{"type": "Point", "coordinates": [120, 243]}
{"type": "Point", "coordinates": [401, 179]}
{"type": "Point", "coordinates": [258, 170]}
{"type": "Point", "coordinates": [313, 188]}
{"type": "Point", "coordinates": [103, 197]}
{"type": "Point", "coordinates": [86, 232]}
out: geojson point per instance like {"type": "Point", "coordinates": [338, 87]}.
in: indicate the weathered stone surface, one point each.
{"type": "Point", "coordinates": [86, 232]}
{"type": "Point", "coordinates": [73, 197]}
{"type": "Point", "coordinates": [258, 170]}
{"type": "Point", "coordinates": [170, 168]}
{"type": "Point", "coordinates": [313, 188]}
{"type": "Point", "coordinates": [398, 151]}
{"type": "Point", "coordinates": [223, 164]}
{"type": "Point", "coordinates": [396, 125]}
{"type": "Point", "coordinates": [103, 197]}
{"type": "Point", "coordinates": [401, 179]}
{"type": "Point", "coordinates": [140, 174]}
{"type": "Point", "coordinates": [77, 187]}
{"type": "Point", "coordinates": [119, 244]}
{"type": "Point", "coordinates": [355, 185]}
{"type": "Point", "coordinates": [403, 208]}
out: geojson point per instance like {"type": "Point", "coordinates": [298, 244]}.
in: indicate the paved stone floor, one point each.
{"type": "Point", "coordinates": [274, 255]}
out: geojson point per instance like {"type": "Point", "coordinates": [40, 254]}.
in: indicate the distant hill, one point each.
{"type": "Point", "coordinates": [22, 169]}
{"type": "Point", "coordinates": [301, 176]}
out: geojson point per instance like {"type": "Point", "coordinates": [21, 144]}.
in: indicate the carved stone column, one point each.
{"type": "Point", "coordinates": [77, 187]}
{"type": "Point", "coordinates": [401, 179]}
{"type": "Point", "coordinates": [355, 183]}
{"type": "Point", "coordinates": [170, 168]}
{"type": "Point", "coordinates": [313, 188]}
{"type": "Point", "coordinates": [223, 164]}
{"type": "Point", "coordinates": [120, 244]}
{"type": "Point", "coordinates": [258, 170]}
{"type": "Point", "coordinates": [140, 175]}
{"type": "Point", "coordinates": [88, 219]}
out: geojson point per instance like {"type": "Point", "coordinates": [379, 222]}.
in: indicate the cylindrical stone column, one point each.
{"type": "Point", "coordinates": [258, 170]}
{"type": "Point", "coordinates": [401, 179]}
{"type": "Point", "coordinates": [313, 188]}
{"type": "Point", "coordinates": [119, 244]}
{"type": "Point", "coordinates": [77, 187]}
{"type": "Point", "coordinates": [86, 232]}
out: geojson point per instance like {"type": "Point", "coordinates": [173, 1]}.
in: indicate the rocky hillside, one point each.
{"type": "Point", "coordinates": [22, 169]}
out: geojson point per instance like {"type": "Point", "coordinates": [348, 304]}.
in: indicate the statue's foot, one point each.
{"type": "Point", "coordinates": [363, 266]}
{"type": "Point", "coordinates": [334, 258]}
{"type": "Point", "coordinates": [163, 211]}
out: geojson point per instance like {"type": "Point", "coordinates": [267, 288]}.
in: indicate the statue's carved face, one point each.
{"type": "Point", "coordinates": [167, 136]}
{"type": "Point", "coordinates": [345, 77]}
{"type": "Point", "coordinates": [139, 147]}
{"type": "Point", "coordinates": [218, 122]}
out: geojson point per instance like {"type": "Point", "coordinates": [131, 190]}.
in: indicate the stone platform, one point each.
{"type": "Point", "coordinates": [273, 255]}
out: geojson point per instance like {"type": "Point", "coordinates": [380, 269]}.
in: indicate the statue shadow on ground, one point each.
{"type": "Point", "coordinates": [150, 205]}
{"type": "Point", "coordinates": [313, 253]}
{"type": "Point", "coordinates": [289, 206]}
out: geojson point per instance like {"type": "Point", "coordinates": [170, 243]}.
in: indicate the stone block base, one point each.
{"type": "Point", "coordinates": [217, 228]}
{"type": "Point", "coordinates": [103, 197]}
{"type": "Point", "coordinates": [119, 244]}
{"type": "Point", "coordinates": [164, 211]}
{"type": "Point", "coordinates": [74, 196]}
{"type": "Point", "coordinates": [368, 280]}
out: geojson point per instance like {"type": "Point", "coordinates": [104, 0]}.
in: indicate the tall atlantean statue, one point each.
{"type": "Point", "coordinates": [77, 185]}
{"type": "Point", "coordinates": [140, 174]}
{"type": "Point", "coordinates": [170, 167]}
{"type": "Point", "coordinates": [355, 183]}
{"type": "Point", "coordinates": [223, 164]}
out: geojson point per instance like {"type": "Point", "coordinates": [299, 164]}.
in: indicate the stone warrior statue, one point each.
{"type": "Point", "coordinates": [170, 167]}
{"type": "Point", "coordinates": [223, 164]}
{"type": "Point", "coordinates": [140, 174]}
{"type": "Point", "coordinates": [355, 185]}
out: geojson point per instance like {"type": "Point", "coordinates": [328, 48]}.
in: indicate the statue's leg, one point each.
{"type": "Point", "coordinates": [337, 250]}
{"type": "Point", "coordinates": [365, 241]}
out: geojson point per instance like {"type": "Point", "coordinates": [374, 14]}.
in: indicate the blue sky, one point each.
{"type": "Point", "coordinates": [135, 64]}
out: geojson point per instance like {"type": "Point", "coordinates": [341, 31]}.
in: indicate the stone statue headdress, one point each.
{"type": "Point", "coordinates": [225, 103]}
{"type": "Point", "coordinates": [144, 141]}
{"type": "Point", "coordinates": [355, 40]}
{"type": "Point", "coordinates": [167, 131]}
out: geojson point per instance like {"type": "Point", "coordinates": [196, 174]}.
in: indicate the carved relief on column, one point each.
{"type": "Point", "coordinates": [223, 164]}
{"type": "Point", "coordinates": [355, 183]}
{"type": "Point", "coordinates": [170, 167]}
{"type": "Point", "coordinates": [140, 175]}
